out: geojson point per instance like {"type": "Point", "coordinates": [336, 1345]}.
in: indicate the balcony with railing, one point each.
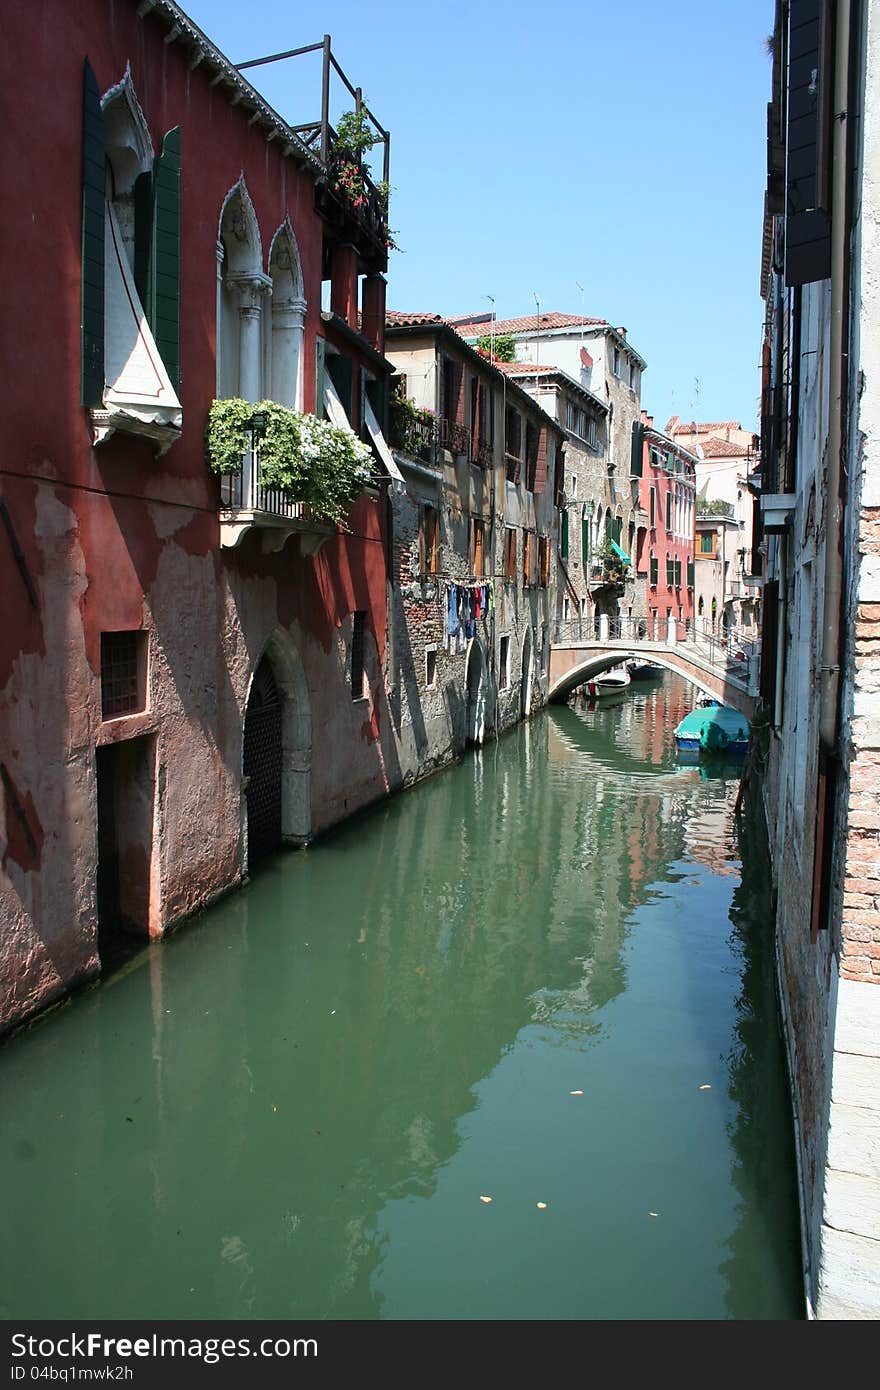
{"type": "Point", "coordinates": [717, 508]}
{"type": "Point", "coordinates": [246, 504]}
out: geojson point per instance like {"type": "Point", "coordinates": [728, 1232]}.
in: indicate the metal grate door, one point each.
{"type": "Point", "coordinates": [262, 764]}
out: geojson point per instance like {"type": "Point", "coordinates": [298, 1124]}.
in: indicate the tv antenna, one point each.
{"type": "Point", "coordinates": [491, 299]}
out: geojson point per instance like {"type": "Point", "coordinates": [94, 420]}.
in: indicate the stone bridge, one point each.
{"type": "Point", "coordinates": [574, 661]}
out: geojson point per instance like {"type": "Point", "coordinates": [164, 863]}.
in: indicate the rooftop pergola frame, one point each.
{"type": "Point", "coordinates": [319, 136]}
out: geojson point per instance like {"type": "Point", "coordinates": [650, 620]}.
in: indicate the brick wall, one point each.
{"type": "Point", "coordinates": [860, 927]}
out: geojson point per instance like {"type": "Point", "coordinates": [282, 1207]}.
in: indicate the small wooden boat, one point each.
{"type": "Point", "coordinates": [712, 728]}
{"type": "Point", "coordinates": [607, 683]}
{"type": "Point", "coordinates": [645, 671]}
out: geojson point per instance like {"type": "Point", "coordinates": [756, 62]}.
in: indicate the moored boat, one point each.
{"type": "Point", "coordinates": [607, 683]}
{"type": "Point", "coordinates": [645, 671]}
{"type": "Point", "coordinates": [712, 728]}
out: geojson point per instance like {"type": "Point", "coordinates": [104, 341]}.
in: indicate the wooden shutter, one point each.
{"type": "Point", "coordinates": [811, 75]}
{"type": "Point", "coordinates": [769, 637]}
{"type": "Point", "coordinates": [564, 540]}
{"type": "Point", "coordinates": [340, 369]}
{"type": "Point", "coordinates": [92, 309]}
{"type": "Point", "coordinates": [165, 319]}
{"type": "Point", "coordinates": [531, 456]}
{"type": "Point", "coordinates": [541, 463]}
{"type": "Point", "coordinates": [459, 393]}
{"type": "Point", "coordinates": [585, 541]}
{"type": "Point", "coordinates": [637, 451]}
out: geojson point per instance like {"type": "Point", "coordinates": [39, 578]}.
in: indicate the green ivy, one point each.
{"type": "Point", "coordinates": [310, 460]}
{"type": "Point", "coordinates": [505, 348]}
{"type": "Point", "coordinates": [225, 436]}
{"type": "Point", "coordinates": [354, 134]}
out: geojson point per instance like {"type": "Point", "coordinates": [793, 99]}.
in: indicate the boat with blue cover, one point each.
{"type": "Point", "coordinates": [712, 728]}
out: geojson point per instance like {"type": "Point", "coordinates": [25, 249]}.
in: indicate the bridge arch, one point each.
{"type": "Point", "coordinates": [571, 667]}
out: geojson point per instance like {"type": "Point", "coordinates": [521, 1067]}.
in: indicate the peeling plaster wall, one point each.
{"type": "Point", "coordinates": [116, 538]}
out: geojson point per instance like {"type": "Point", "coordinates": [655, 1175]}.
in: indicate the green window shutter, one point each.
{"type": "Point", "coordinates": [165, 317]}
{"type": "Point", "coordinates": [690, 574]}
{"type": "Point", "coordinates": [654, 566]}
{"type": "Point", "coordinates": [653, 505]}
{"type": "Point", "coordinates": [678, 574]}
{"type": "Point", "coordinates": [340, 369]}
{"type": "Point", "coordinates": [92, 312]}
{"type": "Point", "coordinates": [564, 544]}
{"type": "Point", "coordinates": [638, 442]}
{"type": "Point", "coordinates": [585, 540]}
{"type": "Point", "coordinates": [320, 353]}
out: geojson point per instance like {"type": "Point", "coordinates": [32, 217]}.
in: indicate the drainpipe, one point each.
{"type": "Point", "coordinates": [829, 669]}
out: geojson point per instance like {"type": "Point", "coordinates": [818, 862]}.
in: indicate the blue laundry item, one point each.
{"type": "Point", "coordinates": [452, 621]}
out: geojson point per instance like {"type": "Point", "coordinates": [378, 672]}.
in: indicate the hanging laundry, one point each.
{"type": "Point", "coordinates": [478, 598]}
{"type": "Point", "coordinates": [452, 619]}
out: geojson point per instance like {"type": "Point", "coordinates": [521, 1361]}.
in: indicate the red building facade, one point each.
{"type": "Point", "coordinates": [191, 672]}
{"type": "Point", "coordinates": [664, 482]}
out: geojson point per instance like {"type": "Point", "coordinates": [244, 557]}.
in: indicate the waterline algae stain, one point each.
{"type": "Point", "coordinates": [503, 1047]}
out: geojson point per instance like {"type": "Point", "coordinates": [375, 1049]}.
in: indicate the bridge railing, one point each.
{"type": "Point", "coordinates": [725, 651]}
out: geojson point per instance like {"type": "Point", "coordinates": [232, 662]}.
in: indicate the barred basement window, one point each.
{"type": "Point", "coordinates": [123, 673]}
{"type": "Point", "coordinates": [357, 656]}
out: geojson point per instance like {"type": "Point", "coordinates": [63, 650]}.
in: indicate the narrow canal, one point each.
{"type": "Point", "coordinates": [538, 977]}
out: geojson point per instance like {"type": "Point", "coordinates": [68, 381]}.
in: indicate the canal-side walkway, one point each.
{"type": "Point", "coordinates": [849, 1285]}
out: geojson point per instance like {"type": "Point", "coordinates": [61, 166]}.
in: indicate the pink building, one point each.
{"type": "Point", "coordinates": [664, 489]}
{"type": "Point", "coordinates": [191, 674]}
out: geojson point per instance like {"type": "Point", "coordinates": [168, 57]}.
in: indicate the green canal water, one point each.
{"type": "Point", "coordinates": [539, 977]}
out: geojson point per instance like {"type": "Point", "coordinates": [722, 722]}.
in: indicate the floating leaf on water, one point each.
{"type": "Point", "coordinates": [487, 1200]}
{"type": "Point", "coordinates": [705, 1086]}
{"type": "Point", "coordinates": [542, 1206]}
{"type": "Point", "coordinates": [575, 1093]}
{"type": "Point", "coordinates": [652, 1213]}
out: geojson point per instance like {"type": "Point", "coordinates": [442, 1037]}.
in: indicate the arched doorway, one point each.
{"type": "Point", "coordinates": [475, 682]}
{"type": "Point", "coordinates": [262, 764]}
{"type": "Point", "coordinates": [526, 679]}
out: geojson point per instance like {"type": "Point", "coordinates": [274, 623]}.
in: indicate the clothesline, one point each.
{"type": "Point", "coordinates": [466, 604]}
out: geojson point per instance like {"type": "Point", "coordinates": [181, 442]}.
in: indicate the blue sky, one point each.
{"type": "Point", "coordinates": [620, 146]}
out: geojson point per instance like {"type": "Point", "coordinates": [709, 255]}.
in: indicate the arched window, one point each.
{"type": "Point", "coordinates": [241, 290]}
{"type": "Point", "coordinates": [131, 258]}
{"type": "Point", "coordinates": [288, 317]}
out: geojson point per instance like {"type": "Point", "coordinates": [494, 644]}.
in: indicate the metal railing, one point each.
{"type": "Point", "coordinates": [454, 437]}
{"type": "Point", "coordinates": [415, 437]}
{"type": "Point", "coordinates": [243, 491]}
{"type": "Point", "coordinates": [728, 651]}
